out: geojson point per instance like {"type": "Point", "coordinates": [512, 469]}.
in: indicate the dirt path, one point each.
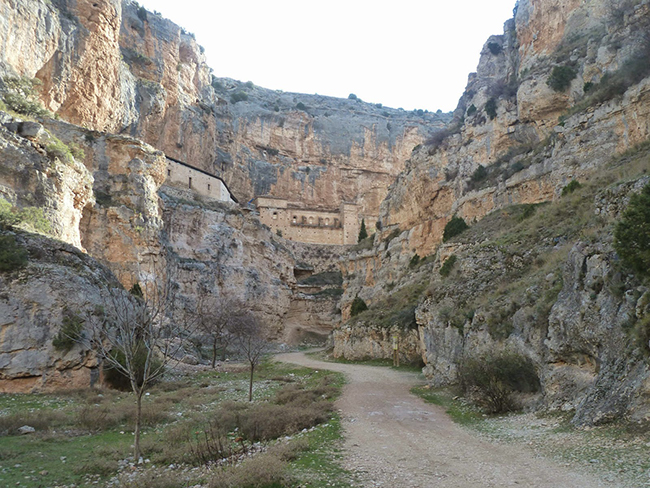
{"type": "Point", "coordinates": [395, 439]}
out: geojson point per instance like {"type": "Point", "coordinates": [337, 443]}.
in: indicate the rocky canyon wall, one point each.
{"type": "Point", "coordinates": [113, 66]}
{"type": "Point", "coordinates": [560, 96]}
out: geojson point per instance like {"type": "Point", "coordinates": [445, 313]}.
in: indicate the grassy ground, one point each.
{"type": "Point", "coordinates": [386, 363]}
{"type": "Point", "coordinates": [84, 438]}
{"type": "Point", "coordinates": [617, 452]}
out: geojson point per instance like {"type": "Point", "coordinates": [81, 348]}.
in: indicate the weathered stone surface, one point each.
{"type": "Point", "coordinates": [33, 301]}
{"type": "Point", "coordinates": [32, 178]}
{"type": "Point", "coordinates": [112, 66]}
{"type": "Point", "coordinates": [359, 343]}
{"type": "Point", "coordinates": [26, 429]}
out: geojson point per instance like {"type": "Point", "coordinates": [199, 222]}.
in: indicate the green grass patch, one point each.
{"type": "Point", "coordinates": [459, 412]}
{"type": "Point", "coordinates": [320, 466]}
{"type": "Point", "coordinates": [81, 435]}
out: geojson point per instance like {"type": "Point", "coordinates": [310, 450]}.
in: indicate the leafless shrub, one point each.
{"type": "Point", "coordinates": [250, 340]}
{"type": "Point", "coordinates": [213, 445]}
{"type": "Point", "coordinates": [268, 421]}
{"type": "Point", "coordinates": [215, 318]}
{"type": "Point", "coordinates": [261, 470]}
{"type": "Point", "coordinates": [42, 420]}
{"type": "Point", "coordinates": [288, 451]}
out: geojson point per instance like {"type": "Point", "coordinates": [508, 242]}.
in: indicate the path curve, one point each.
{"type": "Point", "coordinates": [394, 439]}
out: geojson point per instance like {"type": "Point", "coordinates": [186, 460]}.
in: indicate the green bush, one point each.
{"type": "Point", "coordinates": [448, 265]}
{"type": "Point", "coordinates": [454, 227]}
{"type": "Point", "coordinates": [471, 110]}
{"type": "Point", "coordinates": [358, 306]}
{"type": "Point", "coordinates": [70, 333]}
{"type": "Point", "coordinates": [21, 105]}
{"type": "Point", "coordinates": [115, 378]}
{"type": "Point", "coordinates": [560, 78]}
{"type": "Point", "coordinates": [77, 152]}
{"type": "Point", "coordinates": [35, 219]}
{"type": "Point", "coordinates": [572, 186]}
{"type": "Point", "coordinates": [301, 106]}
{"type": "Point", "coordinates": [352, 96]}
{"type": "Point", "coordinates": [22, 96]}
{"type": "Point", "coordinates": [495, 48]}
{"type": "Point", "coordinates": [415, 260]}
{"type": "Point", "coordinates": [493, 379]}
{"type": "Point", "coordinates": [239, 96]}
{"type": "Point", "coordinates": [7, 216]}
{"type": "Point", "coordinates": [527, 211]}
{"type": "Point", "coordinates": [491, 108]}
{"type": "Point", "coordinates": [32, 216]}
{"type": "Point", "coordinates": [59, 150]}
{"type": "Point", "coordinates": [632, 233]}
{"type": "Point", "coordinates": [216, 84]}
{"type": "Point", "coordinates": [12, 255]}
{"type": "Point", "coordinates": [479, 174]}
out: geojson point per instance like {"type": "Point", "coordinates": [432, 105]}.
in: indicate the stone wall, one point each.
{"type": "Point", "coordinates": [198, 181]}
{"type": "Point", "coordinates": [313, 226]}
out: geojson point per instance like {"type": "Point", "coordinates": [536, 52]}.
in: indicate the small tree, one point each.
{"type": "Point", "coordinates": [251, 342]}
{"type": "Point", "coordinates": [363, 233]}
{"type": "Point", "coordinates": [216, 317]}
{"type": "Point", "coordinates": [454, 227]}
{"type": "Point", "coordinates": [632, 233]}
{"type": "Point", "coordinates": [133, 334]}
{"type": "Point", "coordinates": [560, 78]}
{"type": "Point", "coordinates": [358, 306]}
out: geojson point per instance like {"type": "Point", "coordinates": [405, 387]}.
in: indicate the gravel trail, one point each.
{"type": "Point", "coordinates": [394, 439]}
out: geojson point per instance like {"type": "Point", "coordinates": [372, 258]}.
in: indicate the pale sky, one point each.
{"type": "Point", "coordinates": [413, 54]}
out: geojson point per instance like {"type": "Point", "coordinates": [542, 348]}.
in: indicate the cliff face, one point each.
{"type": "Point", "coordinates": [314, 150]}
{"type": "Point", "coordinates": [32, 177]}
{"type": "Point", "coordinates": [58, 280]}
{"type": "Point", "coordinates": [112, 66]}
{"type": "Point", "coordinates": [508, 120]}
{"type": "Point", "coordinates": [558, 97]}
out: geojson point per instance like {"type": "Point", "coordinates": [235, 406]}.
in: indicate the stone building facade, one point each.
{"type": "Point", "coordinates": [313, 226]}
{"type": "Point", "coordinates": [199, 181]}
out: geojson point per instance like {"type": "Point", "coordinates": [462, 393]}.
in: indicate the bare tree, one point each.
{"type": "Point", "coordinates": [135, 335]}
{"type": "Point", "coordinates": [215, 317]}
{"type": "Point", "coordinates": [251, 342]}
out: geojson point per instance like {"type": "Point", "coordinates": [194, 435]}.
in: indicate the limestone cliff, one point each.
{"type": "Point", "coordinates": [109, 199]}
{"type": "Point", "coordinates": [316, 151]}
{"type": "Point", "coordinates": [113, 66]}
{"type": "Point", "coordinates": [58, 280]}
{"type": "Point", "coordinates": [509, 144]}
{"type": "Point", "coordinates": [514, 139]}
{"type": "Point", "coordinates": [558, 97]}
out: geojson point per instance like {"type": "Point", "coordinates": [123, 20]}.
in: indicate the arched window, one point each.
{"type": "Point", "coordinates": [295, 219]}
{"type": "Point", "coordinates": [275, 216]}
{"type": "Point", "coordinates": [327, 221]}
{"type": "Point", "coordinates": [311, 220]}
